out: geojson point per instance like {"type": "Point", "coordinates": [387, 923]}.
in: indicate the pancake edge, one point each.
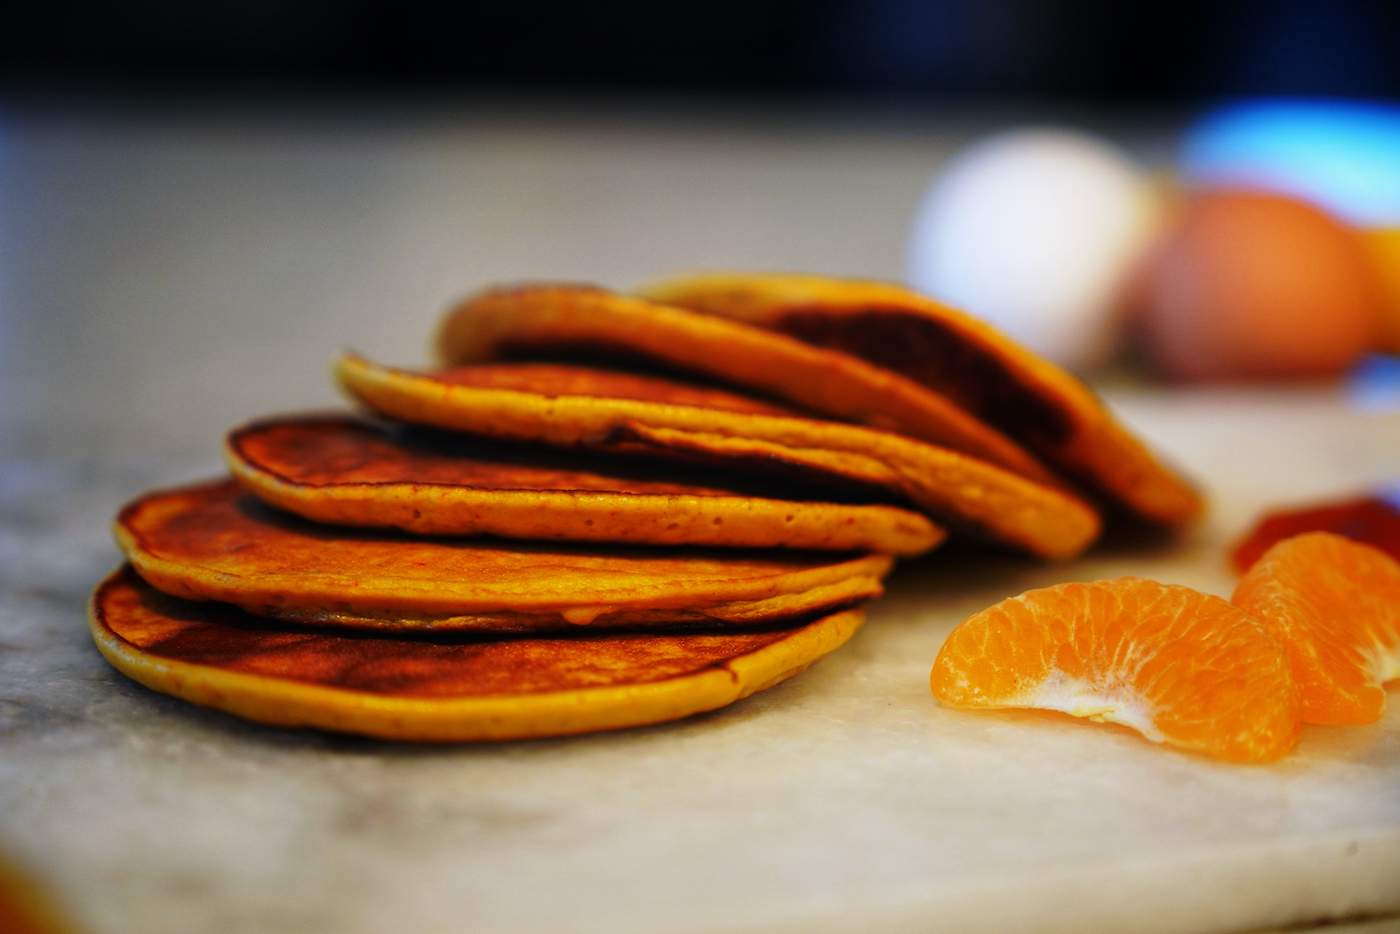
{"type": "Point", "coordinates": [1045, 521]}
{"type": "Point", "coordinates": [287, 703]}
{"type": "Point", "coordinates": [592, 515]}
{"type": "Point", "coordinates": [324, 599]}
{"type": "Point", "coordinates": [1102, 450]}
{"type": "Point", "coordinates": [740, 353]}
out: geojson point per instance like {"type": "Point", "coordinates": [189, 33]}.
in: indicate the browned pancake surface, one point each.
{"type": "Point", "coordinates": [933, 354]}
{"type": "Point", "coordinates": [967, 494]}
{"type": "Point", "coordinates": [591, 324]}
{"type": "Point", "coordinates": [225, 637]}
{"type": "Point", "coordinates": [439, 687]}
{"type": "Point", "coordinates": [346, 471]}
{"type": "Point", "coordinates": [965, 360]}
{"type": "Point", "coordinates": [216, 542]}
{"type": "Point", "coordinates": [328, 450]}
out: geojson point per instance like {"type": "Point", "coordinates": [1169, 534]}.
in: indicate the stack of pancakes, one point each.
{"type": "Point", "coordinates": [608, 510]}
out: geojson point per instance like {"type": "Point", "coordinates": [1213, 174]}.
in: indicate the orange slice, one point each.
{"type": "Point", "coordinates": [1178, 666]}
{"type": "Point", "coordinates": [1335, 603]}
{"type": "Point", "coordinates": [438, 688]}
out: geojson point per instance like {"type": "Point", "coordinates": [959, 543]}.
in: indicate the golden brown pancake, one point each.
{"type": "Point", "coordinates": [591, 324]}
{"type": "Point", "coordinates": [982, 371]}
{"type": "Point", "coordinates": [603, 410]}
{"type": "Point", "coordinates": [348, 471]}
{"type": "Point", "coordinates": [216, 541]}
{"type": "Point", "coordinates": [439, 688]}
{"type": "Point", "coordinates": [552, 379]}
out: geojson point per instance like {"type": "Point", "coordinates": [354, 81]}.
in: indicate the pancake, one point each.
{"type": "Point", "coordinates": [1026, 397]}
{"type": "Point", "coordinates": [216, 541]}
{"type": "Point", "coordinates": [439, 688]}
{"type": "Point", "coordinates": [626, 413]}
{"type": "Point", "coordinates": [590, 325]}
{"type": "Point", "coordinates": [347, 471]}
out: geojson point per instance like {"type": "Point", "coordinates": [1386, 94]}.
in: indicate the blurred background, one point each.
{"type": "Point", "coordinates": [200, 203]}
{"type": "Point", "coordinates": [1084, 49]}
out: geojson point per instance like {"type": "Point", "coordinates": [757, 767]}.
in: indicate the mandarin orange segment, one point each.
{"type": "Point", "coordinates": [1179, 666]}
{"type": "Point", "coordinates": [1335, 604]}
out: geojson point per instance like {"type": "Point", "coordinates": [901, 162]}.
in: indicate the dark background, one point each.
{"type": "Point", "coordinates": [1099, 50]}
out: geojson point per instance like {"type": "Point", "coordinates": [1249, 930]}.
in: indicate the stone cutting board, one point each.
{"type": "Point", "coordinates": [843, 800]}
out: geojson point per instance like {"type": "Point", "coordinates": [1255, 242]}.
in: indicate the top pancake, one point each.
{"type": "Point", "coordinates": [585, 324]}
{"type": "Point", "coordinates": [347, 471]}
{"type": "Point", "coordinates": [601, 410]}
{"type": "Point", "coordinates": [1026, 397]}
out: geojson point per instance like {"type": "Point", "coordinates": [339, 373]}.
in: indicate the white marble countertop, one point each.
{"type": "Point", "coordinates": [165, 279]}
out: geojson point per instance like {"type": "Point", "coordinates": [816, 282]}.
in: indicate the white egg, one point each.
{"type": "Point", "coordinates": [1034, 231]}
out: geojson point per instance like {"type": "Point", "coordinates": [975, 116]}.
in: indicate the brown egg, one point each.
{"type": "Point", "coordinates": [1247, 285]}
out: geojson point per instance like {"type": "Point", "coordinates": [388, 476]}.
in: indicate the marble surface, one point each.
{"type": "Point", "coordinates": [165, 279]}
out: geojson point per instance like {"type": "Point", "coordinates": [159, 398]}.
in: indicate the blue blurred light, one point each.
{"type": "Point", "coordinates": [1341, 155]}
{"type": "Point", "coordinates": [1374, 384]}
